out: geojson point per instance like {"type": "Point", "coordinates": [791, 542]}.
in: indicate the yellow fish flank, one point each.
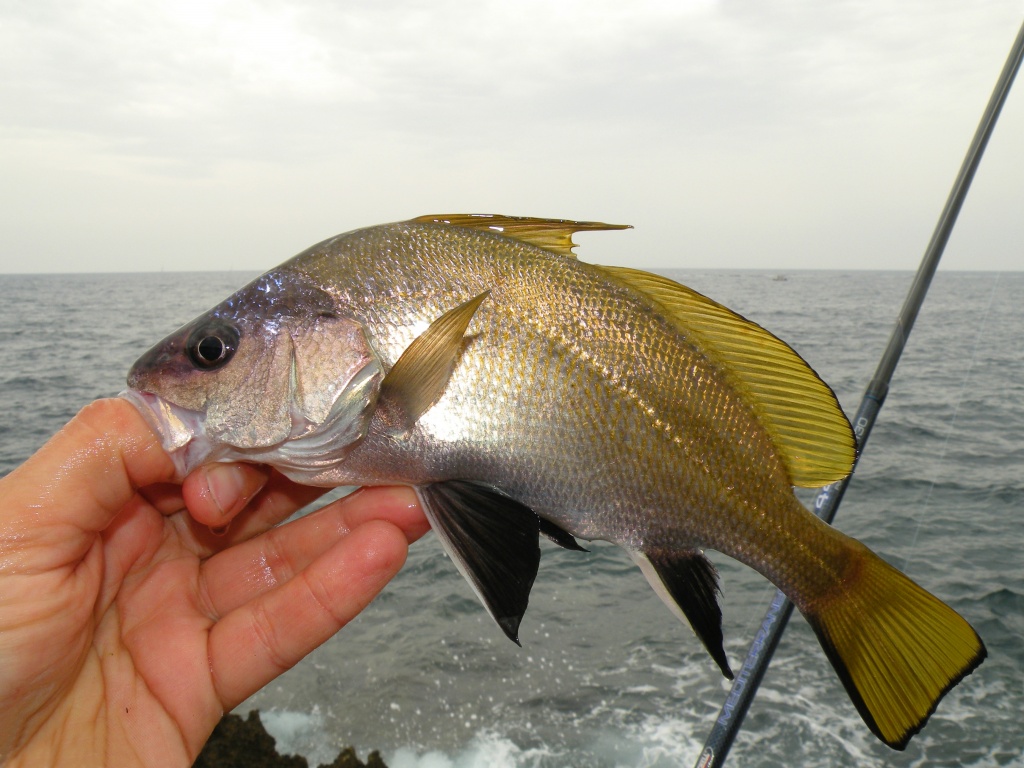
{"type": "Point", "coordinates": [523, 392]}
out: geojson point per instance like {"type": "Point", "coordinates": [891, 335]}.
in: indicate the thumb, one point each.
{"type": "Point", "coordinates": [86, 473]}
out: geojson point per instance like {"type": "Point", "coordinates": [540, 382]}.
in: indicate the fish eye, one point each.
{"type": "Point", "coordinates": [211, 346]}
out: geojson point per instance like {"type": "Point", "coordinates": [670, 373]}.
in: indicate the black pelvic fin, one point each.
{"type": "Point", "coordinates": [688, 582]}
{"type": "Point", "coordinates": [562, 538]}
{"type": "Point", "coordinates": [494, 542]}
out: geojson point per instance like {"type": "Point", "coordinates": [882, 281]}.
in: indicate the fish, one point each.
{"type": "Point", "coordinates": [524, 392]}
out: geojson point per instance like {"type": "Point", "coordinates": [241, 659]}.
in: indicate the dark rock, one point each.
{"type": "Point", "coordinates": [238, 743]}
{"type": "Point", "coordinates": [348, 759]}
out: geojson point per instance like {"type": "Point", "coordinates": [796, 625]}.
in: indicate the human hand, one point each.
{"type": "Point", "coordinates": [134, 612]}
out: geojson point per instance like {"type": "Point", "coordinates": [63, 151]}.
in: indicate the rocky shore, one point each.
{"type": "Point", "coordinates": [238, 743]}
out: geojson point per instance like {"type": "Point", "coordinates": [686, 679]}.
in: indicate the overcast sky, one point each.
{"type": "Point", "coordinates": [231, 134]}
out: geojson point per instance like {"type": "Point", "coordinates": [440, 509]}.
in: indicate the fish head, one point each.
{"type": "Point", "coordinates": [276, 374]}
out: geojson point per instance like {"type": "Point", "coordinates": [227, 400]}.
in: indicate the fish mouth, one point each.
{"type": "Point", "coordinates": [181, 431]}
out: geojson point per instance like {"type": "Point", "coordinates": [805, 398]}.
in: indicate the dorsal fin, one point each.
{"type": "Point", "coordinates": [550, 234]}
{"type": "Point", "coordinates": [798, 409]}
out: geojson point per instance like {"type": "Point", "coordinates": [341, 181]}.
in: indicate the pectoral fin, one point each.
{"type": "Point", "coordinates": [688, 584]}
{"type": "Point", "coordinates": [494, 542]}
{"type": "Point", "coordinates": [417, 379]}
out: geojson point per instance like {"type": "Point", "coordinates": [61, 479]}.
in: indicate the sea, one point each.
{"type": "Point", "coordinates": [606, 676]}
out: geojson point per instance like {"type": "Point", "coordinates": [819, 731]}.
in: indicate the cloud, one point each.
{"type": "Point", "coordinates": [753, 133]}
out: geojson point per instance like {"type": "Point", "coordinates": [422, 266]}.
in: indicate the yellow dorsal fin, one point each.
{"type": "Point", "coordinates": [551, 234]}
{"type": "Point", "coordinates": [797, 408]}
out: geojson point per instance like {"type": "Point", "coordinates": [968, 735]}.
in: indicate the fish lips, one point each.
{"type": "Point", "coordinates": [181, 431]}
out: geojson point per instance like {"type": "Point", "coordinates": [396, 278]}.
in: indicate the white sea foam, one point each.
{"type": "Point", "coordinates": [487, 749]}
{"type": "Point", "coordinates": [299, 733]}
{"type": "Point", "coordinates": [655, 742]}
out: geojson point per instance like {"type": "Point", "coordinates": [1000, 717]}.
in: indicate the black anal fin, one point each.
{"type": "Point", "coordinates": [493, 540]}
{"type": "Point", "coordinates": [687, 583]}
{"type": "Point", "coordinates": [562, 538]}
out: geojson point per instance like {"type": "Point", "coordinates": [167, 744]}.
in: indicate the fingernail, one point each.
{"type": "Point", "coordinates": [227, 484]}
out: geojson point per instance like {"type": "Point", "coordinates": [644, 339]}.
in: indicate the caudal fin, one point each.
{"type": "Point", "coordinates": [897, 648]}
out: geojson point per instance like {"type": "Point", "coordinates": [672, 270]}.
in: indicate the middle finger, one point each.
{"type": "Point", "coordinates": [245, 571]}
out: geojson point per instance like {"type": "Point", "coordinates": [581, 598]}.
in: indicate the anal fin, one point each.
{"type": "Point", "coordinates": [687, 583]}
{"type": "Point", "coordinates": [493, 540]}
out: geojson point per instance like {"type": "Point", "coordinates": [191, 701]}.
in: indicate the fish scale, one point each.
{"type": "Point", "coordinates": [558, 321]}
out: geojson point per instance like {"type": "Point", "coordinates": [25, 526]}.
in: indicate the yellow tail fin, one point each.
{"type": "Point", "coordinates": [897, 648]}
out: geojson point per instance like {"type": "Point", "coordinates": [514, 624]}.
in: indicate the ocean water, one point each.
{"type": "Point", "coordinates": [606, 676]}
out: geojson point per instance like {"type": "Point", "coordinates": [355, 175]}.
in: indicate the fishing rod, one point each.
{"type": "Point", "coordinates": [744, 687]}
